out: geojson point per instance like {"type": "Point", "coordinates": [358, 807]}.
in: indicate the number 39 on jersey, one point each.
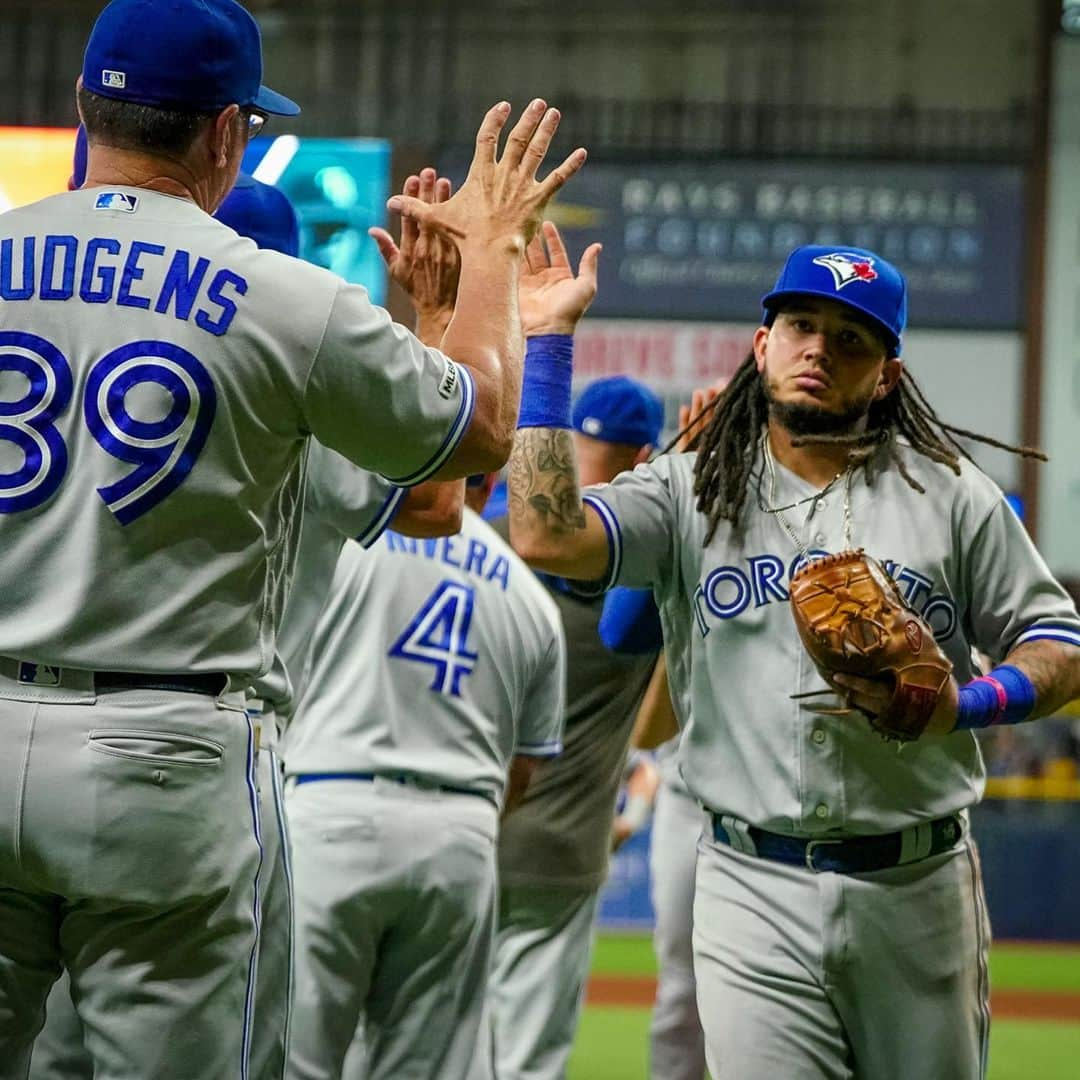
{"type": "Point", "coordinates": [36, 388]}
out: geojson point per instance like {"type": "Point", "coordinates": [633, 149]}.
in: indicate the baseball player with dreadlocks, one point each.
{"type": "Point", "coordinates": [839, 906]}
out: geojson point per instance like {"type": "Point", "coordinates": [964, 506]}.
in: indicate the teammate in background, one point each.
{"type": "Point", "coordinates": [436, 667]}
{"type": "Point", "coordinates": [631, 623]}
{"type": "Point", "coordinates": [78, 160]}
{"type": "Point", "coordinates": [636, 797]}
{"type": "Point", "coordinates": [173, 373]}
{"type": "Point", "coordinates": [554, 849]}
{"type": "Point", "coordinates": [839, 905]}
{"type": "Point", "coordinates": [341, 501]}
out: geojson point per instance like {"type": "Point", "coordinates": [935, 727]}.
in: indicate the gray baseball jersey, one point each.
{"type": "Point", "coordinates": [145, 442]}
{"type": "Point", "coordinates": [434, 658]}
{"type": "Point", "coordinates": [959, 555]}
{"type": "Point", "coordinates": [340, 501]}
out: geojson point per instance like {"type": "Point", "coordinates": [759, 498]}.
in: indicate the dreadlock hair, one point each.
{"type": "Point", "coordinates": [727, 447]}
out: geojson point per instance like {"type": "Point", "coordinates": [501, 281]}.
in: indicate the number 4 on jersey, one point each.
{"type": "Point", "coordinates": [438, 634]}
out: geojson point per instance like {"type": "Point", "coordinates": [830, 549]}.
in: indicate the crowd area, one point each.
{"type": "Point", "coordinates": [1048, 751]}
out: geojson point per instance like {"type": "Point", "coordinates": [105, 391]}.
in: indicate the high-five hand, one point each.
{"type": "Point", "coordinates": [501, 200]}
{"type": "Point", "coordinates": [426, 265]}
{"type": "Point", "coordinates": [551, 298]}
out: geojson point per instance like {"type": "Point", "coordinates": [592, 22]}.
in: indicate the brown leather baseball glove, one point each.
{"type": "Point", "coordinates": [853, 620]}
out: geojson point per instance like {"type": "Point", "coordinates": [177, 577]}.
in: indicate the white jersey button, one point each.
{"type": "Point", "coordinates": [821, 810]}
{"type": "Point", "coordinates": [818, 735]}
{"type": "Point", "coordinates": [820, 538]}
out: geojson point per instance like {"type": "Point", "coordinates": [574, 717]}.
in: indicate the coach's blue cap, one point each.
{"type": "Point", "coordinates": [78, 160]}
{"type": "Point", "coordinates": [852, 276]}
{"type": "Point", "coordinates": [619, 410]}
{"type": "Point", "coordinates": [192, 54]}
{"type": "Point", "coordinates": [263, 213]}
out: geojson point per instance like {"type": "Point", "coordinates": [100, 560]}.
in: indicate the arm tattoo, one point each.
{"type": "Point", "coordinates": [1054, 670]}
{"type": "Point", "coordinates": [544, 492]}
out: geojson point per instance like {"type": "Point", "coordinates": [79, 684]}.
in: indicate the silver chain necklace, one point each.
{"type": "Point", "coordinates": [779, 511]}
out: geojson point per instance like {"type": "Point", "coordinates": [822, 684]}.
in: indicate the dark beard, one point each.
{"type": "Point", "coordinates": [813, 419]}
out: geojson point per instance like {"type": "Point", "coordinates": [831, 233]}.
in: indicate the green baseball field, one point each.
{"type": "Point", "coordinates": [1035, 1001]}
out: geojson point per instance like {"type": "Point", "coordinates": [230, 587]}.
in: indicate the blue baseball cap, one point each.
{"type": "Point", "coordinates": [263, 213]}
{"type": "Point", "coordinates": [619, 410]}
{"type": "Point", "coordinates": [852, 276]}
{"type": "Point", "coordinates": [78, 160]}
{"type": "Point", "coordinates": [192, 54]}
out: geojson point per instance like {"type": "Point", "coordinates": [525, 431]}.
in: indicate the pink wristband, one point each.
{"type": "Point", "coordinates": [1002, 697]}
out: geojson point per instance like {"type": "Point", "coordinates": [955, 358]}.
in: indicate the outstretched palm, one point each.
{"type": "Point", "coordinates": [551, 298]}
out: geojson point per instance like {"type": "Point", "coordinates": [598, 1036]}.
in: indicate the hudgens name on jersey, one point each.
{"type": "Point", "coordinates": [103, 270]}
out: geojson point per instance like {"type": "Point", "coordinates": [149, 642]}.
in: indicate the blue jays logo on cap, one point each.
{"type": "Point", "coordinates": [847, 268]}
{"type": "Point", "coordinates": [116, 200]}
{"type": "Point", "coordinates": [857, 278]}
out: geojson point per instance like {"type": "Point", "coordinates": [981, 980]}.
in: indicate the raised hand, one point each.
{"type": "Point", "coordinates": [551, 298]}
{"type": "Point", "coordinates": [426, 265]}
{"type": "Point", "coordinates": [694, 417]}
{"type": "Point", "coordinates": [501, 201]}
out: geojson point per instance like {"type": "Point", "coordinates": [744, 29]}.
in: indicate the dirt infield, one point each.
{"type": "Point", "coordinates": [637, 991]}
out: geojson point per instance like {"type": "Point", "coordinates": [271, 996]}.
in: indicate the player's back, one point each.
{"type": "Point", "coordinates": [158, 374]}
{"type": "Point", "coordinates": [435, 659]}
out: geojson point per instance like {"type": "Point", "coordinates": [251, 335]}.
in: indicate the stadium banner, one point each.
{"type": "Point", "coordinates": [686, 241]}
{"type": "Point", "coordinates": [674, 358]}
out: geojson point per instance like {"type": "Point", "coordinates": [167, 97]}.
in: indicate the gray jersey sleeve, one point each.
{"type": "Point", "coordinates": [352, 501]}
{"type": "Point", "coordinates": [1013, 597]}
{"type": "Point", "coordinates": [405, 386]}
{"type": "Point", "coordinates": [639, 513]}
{"type": "Point", "coordinates": [541, 727]}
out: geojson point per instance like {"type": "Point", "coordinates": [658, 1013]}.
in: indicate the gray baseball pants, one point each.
{"type": "Point", "coordinates": [60, 1053]}
{"type": "Point", "coordinates": [676, 1041]}
{"type": "Point", "coordinates": [129, 855]}
{"type": "Point", "coordinates": [543, 945]}
{"type": "Point", "coordinates": [395, 910]}
{"type": "Point", "coordinates": [824, 976]}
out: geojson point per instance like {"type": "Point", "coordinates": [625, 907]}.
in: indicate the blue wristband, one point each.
{"type": "Point", "coordinates": [1005, 696]}
{"type": "Point", "coordinates": [545, 383]}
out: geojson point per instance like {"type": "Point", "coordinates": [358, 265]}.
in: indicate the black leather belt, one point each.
{"type": "Point", "coordinates": [212, 683]}
{"type": "Point", "coordinates": [855, 855]}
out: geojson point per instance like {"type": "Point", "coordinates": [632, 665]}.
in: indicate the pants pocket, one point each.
{"type": "Point", "coordinates": [157, 747]}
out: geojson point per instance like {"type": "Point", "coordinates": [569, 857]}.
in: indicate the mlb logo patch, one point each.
{"type": "Point", "coordinates": [846, 268]}
{"type": "Point", "coordinates": [449, 380]}
{"type": "Point", "coordinates": [115, 80]}
{"type": "Point", "coordinates": [39, 674]}
{"type": "Point", "coordinates": [116, 200]}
